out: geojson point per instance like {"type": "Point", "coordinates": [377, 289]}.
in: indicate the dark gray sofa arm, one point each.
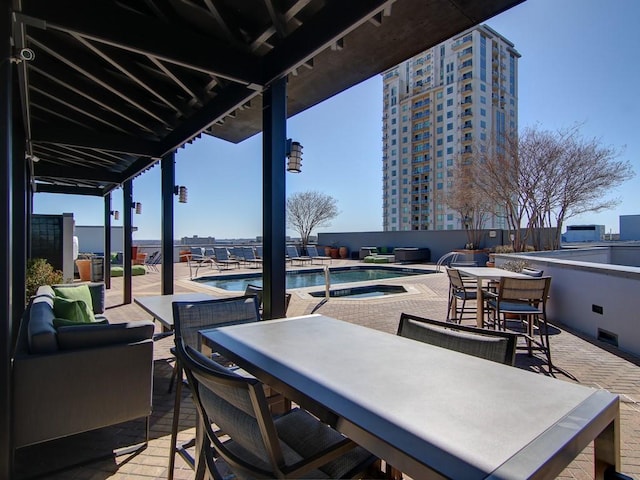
{"type": "Point", "coordinates": [75, 391]}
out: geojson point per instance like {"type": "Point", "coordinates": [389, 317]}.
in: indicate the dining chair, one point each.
{"type": "Point", "coordinates": [525, 300]}
{"type": "Point", "coordinates": [491, 345]}
{"type": "Point", "coordinates": [294, 445]}
{"type": "Point", "coordinates": [460, 290]}
{"type": "Point", "coordinates": [256, 290]}
{"type": "Point", "coordinates": [188, 319]}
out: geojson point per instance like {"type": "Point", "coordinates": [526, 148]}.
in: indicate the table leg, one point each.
{"type": "Point", "coordinates": [607, 449]}
{"type": "Point", "coordinates": [480, 305]}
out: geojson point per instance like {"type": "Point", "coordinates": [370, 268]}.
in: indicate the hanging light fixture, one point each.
{"type": "Point", "coordinates": [181, 191]}
{"type": "Point", "coordinates": [137, 206]}
{"type": "Point", "coordinates": [116, 214]}
{"type": "Point", "coordinates": [294, 156]}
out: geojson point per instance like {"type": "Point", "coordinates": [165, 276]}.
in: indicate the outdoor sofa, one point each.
{"type": "Point", "coordinates": [77, 378]}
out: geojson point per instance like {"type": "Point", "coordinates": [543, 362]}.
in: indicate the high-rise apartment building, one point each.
{"type": "Point", "coordinates": [442, 108]}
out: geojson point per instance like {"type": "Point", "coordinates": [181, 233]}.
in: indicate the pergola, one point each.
{"type": "Point", "coordinates": [117, 86]}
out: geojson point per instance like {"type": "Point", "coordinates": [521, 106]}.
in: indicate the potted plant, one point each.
{"type": "Point", "coordinates": [40, 272]}
{"type": "Point", "coordinates": [343, 251]}
{"type": "Point", "coordinates": [334, 252]}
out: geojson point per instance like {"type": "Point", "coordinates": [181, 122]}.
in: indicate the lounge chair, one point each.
{"type": "Point", "coordinates": [250, 257]}
{"type": "Point", "coordinates": [292, 252]}
{"type": "Point", "coordinates": [222, 257]}
{"type": "Point", "coordinates": [312, 250]}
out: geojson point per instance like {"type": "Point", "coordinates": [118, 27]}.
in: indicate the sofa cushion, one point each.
{"type": "Point", "coordinates": [74, 310]}
{"type": "Point", "coordinates": [87, 336]}
{"type": "Point", "coordinates": [65, 322]}
{"type": "Point", "coordinates": [80, 292]}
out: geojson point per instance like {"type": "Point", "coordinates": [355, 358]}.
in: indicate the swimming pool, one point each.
{"type": "Point", "coordinates": [312, 278]}
{"type": "Point", "coordinates": [368, 291]}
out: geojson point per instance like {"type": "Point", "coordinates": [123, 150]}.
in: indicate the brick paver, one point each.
{"type": "Point", "coordinates": [577, 359]}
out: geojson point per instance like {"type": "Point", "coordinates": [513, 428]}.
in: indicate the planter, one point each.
{"type": "Point", "coordinates": [184, 255]}
{"type": "Point", "coordinates": [334, 253]}
{"type": "Point", "coordinates": [344, 252]}
{"type": "Point", "coordinates": [327, 251]}
{"type": "Point", "coordinates": [84, 269]}
{"type": "Point", "coordinates": [490, 264]}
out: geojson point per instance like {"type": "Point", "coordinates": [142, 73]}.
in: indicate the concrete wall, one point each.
{"type": "Point", "coordinates": [578, 288]}
{"type": "Point", "coordinates": [439, 242]}
{"type": "Point", "coordinates": [91, 239]}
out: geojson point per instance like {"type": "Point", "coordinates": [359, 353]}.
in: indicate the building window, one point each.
{"type": "Point", "coordinates": [449, 126]}
{"type": "Point", "coordinates": [449, 102]}
{"type": "Point", "coordinates": [439, 107]}
{"type": "Point", "coordinates": [483, 112]}
{"type": "Point", "coordinates": [449, 140]}
{"type": "Point", "coordinates": [449, 114]}
{"type": "Point", "coordinates": [483, 99]}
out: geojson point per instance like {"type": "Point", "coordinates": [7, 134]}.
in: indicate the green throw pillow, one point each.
{"type": "Point", "coordinates": [63, 322]}
{"type": "Point", "coordinates": [74, 310]}
{"type": "Point", "coordinates": [80, 292]}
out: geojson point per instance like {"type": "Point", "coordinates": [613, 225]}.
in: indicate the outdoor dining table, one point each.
{"type": "Point", "coordinates": [427, 411]}
{"type": "Point", "coordinates": [486, 273]}
{"type": "Point", "coordinates": [160, 308]}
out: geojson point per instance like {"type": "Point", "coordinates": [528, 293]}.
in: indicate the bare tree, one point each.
{"type": "Point", "coordinates": [470, 203]}
{"type": "Point", "coordinates": [543, 178]}
{"type": "Point", "coordinates": [307, 211]}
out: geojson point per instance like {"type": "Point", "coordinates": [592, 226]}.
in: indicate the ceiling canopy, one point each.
{"type": "Point", "coordinates": [117, 84]}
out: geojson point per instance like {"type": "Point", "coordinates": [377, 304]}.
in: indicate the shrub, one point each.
{"type": "Point", "coordinates": [40, 272]}
{"type": "Point", "coordinates": [515, 265]}
{"type": "Point", "coordinates": [504, 249]}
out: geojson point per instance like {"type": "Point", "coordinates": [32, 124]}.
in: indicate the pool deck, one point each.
{"type": "Point", "coordinates": [577, 359]}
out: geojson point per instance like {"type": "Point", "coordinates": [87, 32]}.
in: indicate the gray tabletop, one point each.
{"type": "Point", "coordinates": [159, 306]}
{"type": "Point", "coordinates": [424, 409]}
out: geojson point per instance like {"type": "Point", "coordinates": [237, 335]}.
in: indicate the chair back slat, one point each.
{"type": "Point", "coordinates": [524, 289]}
{"type": "Point", "coordinates": [455, 278]}
{"type": "Point", "coordinates": [488, 344]}
{"type": "Point", "coordinates": [191, 317]}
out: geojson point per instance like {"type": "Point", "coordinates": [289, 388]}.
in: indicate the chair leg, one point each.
{"type": "Point", "coordinates": [174, 375]}
{"type": "Point", "coordinates": [174, 424]}
{"type": "Point", "coordinates": [545, 340]}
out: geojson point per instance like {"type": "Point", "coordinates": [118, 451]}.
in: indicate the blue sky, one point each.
{"type": "Point", "coordinates": [580, 64]}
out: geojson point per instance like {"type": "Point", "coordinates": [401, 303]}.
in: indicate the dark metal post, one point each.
{"type": "Point", "coordinates": [127, 194]}
{"type": "Point", "coordinates": [168, 182]}
{"type": "Point", "coordinates": [6, 176]}
{"type": "Point", "coordinates": [19, 220]}
{"type": "Point", "coordinates": [274, 127]}
{"type": "Point", "coordinates": [107, 240]}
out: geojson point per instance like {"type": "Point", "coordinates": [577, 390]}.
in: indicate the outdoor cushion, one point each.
{"type": "Point", "coordinates": [80, 292]}
{"type": "Point", "coordinates": [74, 310]}
{"type": "Point", "coordinates": [64, 322]}
{"type": "Point", "coordinates": [87, 336]}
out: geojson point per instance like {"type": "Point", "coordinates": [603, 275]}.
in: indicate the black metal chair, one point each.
{"type": "Point", "coordinates": [189, 318]}
{"type": "Point", "coordinates": [294, 445]}
{"type": "Point", "coordinates": [491, 345]}
{"type": "Point", "coordinates": [525, 299]}
{"type": "Point", "coordinates": [460, 290]}
{"type": "Point", "coordinates": [257, 291]}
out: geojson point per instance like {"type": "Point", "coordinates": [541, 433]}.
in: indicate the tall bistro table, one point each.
{"type": "Point", "coordinates": [160, 308]}
{"type": "Point", "coordinates": [486, 273]}
{"type": "Point", "coordinates": [428, 411]}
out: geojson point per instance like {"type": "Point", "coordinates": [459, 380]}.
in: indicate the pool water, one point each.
{"type": "Point", "coordinates": [311, 278]}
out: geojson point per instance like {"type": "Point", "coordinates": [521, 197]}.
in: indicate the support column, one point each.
{"type": "Point", "coordinates": [19, 225]}
{"type": "Point", "coordinates": [274, 120]}
{"type": "Point", "coordinates": [6, 292]}
{"type": "Point", "coordinates": [127, 202]}
{"type": "Point", "coordinates": [107, 240]}
{"type": "Point", "coordinates": [168, 167]}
